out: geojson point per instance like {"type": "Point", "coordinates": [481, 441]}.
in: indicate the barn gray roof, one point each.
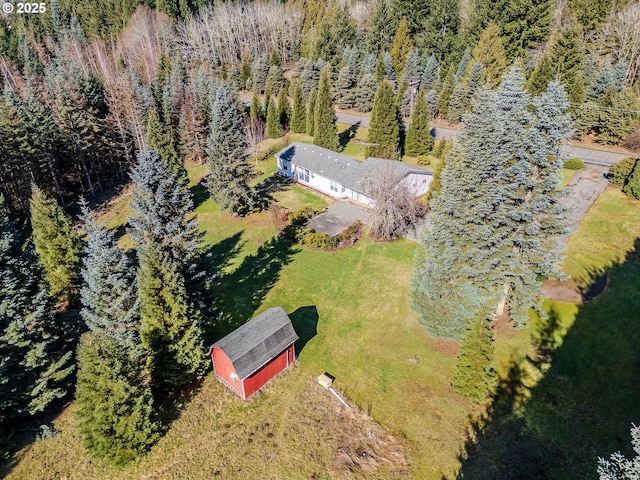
{"type": "Point", "coordinates": [340, 168]}
{"type": "Point", "coordinates": [256, 342]}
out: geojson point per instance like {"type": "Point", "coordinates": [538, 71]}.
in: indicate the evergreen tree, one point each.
{"type": "Point", "coordinates": [284, 110]}
{"type": "Point", "coordinates": [259, 73]}
{"type": "Point", "coordinates": [57, 244]}
{"type": "Point", "coordinates": [381, 70]}
{"type": "Point", "coordinates": [433, 99]}
{"type": "Point", "coordinates": [345, 88]}
{"type": "Point", "coordinates": [197, 117]}
{"type": "Point", "coordinates": [36, 349]}
{"type": "Point", "coordinates": [384, 126]}
{"type": "Point", "coordinates": [475, 377]}
{"type": "Point", "coordinates": [310, 76]}
{"type": "Point", "coordinates": [230, 172]}
{"type": "Point", "coordinates": [267, 101]}
{"type": "Point", "coordinates": [401, 47]}
{"type": "Point", "coordinates": [534, 130]}
{"type": "Point", "coordinates": [454, 269]}
{"type": "Point", "coordinates": [298, 113]}
{"type": "Point", "coordinates": [564, 60]}
{"type": "Point", "coordinates": [170, 327]}
{"type": "Point", "coordinates": [419, 140]}
{"type": "Point", "coordinates": [273, 121]}
{"type": "Point", "coordinates": [109, 294]}
{"type": "Point", "coordinates": [366, 91]}
{"type": "Point", "coordinates": [275, 79]}
{"type": "Point", "coordinates": [159, 139]}
{"type": "Point", "coordinates": [412, 71]}
{"type": "Point", "coordinates": [491, 54]}
{"type": "Point", "coordinates": [382, 28]}
{"type": "Point", "coordinates": [445, 94]}
{"type": "Point", "coordinates": [441, 29]}
{"type": "Point", "coordinates": [505, 239]}
{"type": "Point", "coordinates": [459, 103]}
{"type": "Point", "coordinates": [390, 73]}
{"type": "Point", "coordinates": [416, 14]}
{"type": "Point", "coordinates": [324, 132]}
{"type": "Point", "coordinates": [464, 63]}
{"type": "Point", "coordinates": [526, 24]}
{"type": "Point", "coordinates": [162, 209]}
{"type": "Point", "coordinates": [632, 186]}
{"type": "Point", "coordinates": [431, 73]}
{"type": "Point", "coordinates": [311, 109]}
{"type": "Point", "coordinates": [620, 468]}
{"type": "Point", "coordinates": [114, 407]}
{"type": "Point", "coordinates": [255, 109]}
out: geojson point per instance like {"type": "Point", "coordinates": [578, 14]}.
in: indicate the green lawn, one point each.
{"type": "Point", "coordinates": [351, 309]}
{"type": "Point", "coordinates": [605, 237]}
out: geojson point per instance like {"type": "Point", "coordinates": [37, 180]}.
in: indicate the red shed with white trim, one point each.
{"type": "Point", "coordinates": [250, 356]}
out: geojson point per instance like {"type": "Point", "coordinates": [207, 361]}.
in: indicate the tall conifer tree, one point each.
{"type": "Point", "coordinates": [274, 128]}
{"type": "Point", "coordinates": [491, 54]}
{"type": "Point", "coordinates": [170, 326]}
{"type": "Point", "coordinates": [419, 140]}
{"type": "Point", "coordinates": [384, 126]}
{"type": "Point", "coordinates": [109, 294]}
{"type": "Point", "coordinates": [311, 112]}
{"type": "Point", "coordinates": [298, 113]}
{"type": "Point", "coordinates": [230, 171]}
{"type": "Point", "coordinates": [115, 409]}
{"type": "Point", "coordinates": [57, 244]}
{"type": "Point", "coordinates": [36, 349]}
{"type": "Point", "coordinates": [324, 128]}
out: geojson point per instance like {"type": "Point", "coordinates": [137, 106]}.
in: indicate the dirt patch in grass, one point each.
{"type": "Point", "coordinates": [568, 291]}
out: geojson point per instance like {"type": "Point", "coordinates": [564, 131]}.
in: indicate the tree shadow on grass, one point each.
{"type": "Point", "coordinates": [199, 194]}
{"type": "Point", "coordinates": [305, 323]}
{"type": "Point", "coordinates": [241, 292]}
{"type": "Point", "coordinates": [347, 135]}
{"type": "Point", "coordinates": [585, 401]}
{"type": "Point", "coordinates": [269, 186]}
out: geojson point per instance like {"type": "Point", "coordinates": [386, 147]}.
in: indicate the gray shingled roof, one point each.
{"type": "Point", "coordinates": [256, 342]}
{"type": "Point", "coordinates": [340, 168]}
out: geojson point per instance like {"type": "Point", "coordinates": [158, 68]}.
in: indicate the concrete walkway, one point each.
{"type": "Point", "coordinates": [338, 217]}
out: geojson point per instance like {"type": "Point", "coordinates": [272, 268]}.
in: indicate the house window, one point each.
{"type": "Point", "coordinates": [333, 186]}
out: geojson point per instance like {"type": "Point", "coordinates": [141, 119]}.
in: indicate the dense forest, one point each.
{"type": "Point", "coordinates": [87, 85]}
{"type": "Point", "coordinates": [99, 93]}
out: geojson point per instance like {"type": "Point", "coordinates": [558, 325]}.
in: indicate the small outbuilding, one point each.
{"type": "Point", "coordinates": [250, 356]}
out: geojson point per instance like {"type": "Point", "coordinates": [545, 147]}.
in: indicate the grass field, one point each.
{"type": "Point", "coordinates": [556, 411]}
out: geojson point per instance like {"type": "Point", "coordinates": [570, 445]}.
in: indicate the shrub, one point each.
{"type": "Point", "coordinates": [632, 187]}
{"type": "Point", "coordinates": [320, 240]}
{"type": "Point", "coordinates": [423, 160]}
{"type": "Point", "coordinates": [574, 164]}
{"type": "Point", "coordinates": [296, 233]}
{"type": "Point", "coordinates": [620, 172]}
{"type": "Point", "coordinates": [300, 217]}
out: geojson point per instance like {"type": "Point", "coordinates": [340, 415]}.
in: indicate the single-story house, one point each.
{"type": "Point", "coordinates": [250, 356]}
{"type": "Point", "coordinates": [340, 176]}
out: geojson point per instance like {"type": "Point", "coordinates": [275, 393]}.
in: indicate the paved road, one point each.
{"type": "Point", "coordinates": [593, 157]}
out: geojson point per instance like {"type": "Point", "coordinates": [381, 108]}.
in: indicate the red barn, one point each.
{"type": "Point", "coordinates": [253, 354]}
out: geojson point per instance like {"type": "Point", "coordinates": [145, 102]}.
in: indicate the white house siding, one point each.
{"type": "Point", "coordinates": [417, 183]}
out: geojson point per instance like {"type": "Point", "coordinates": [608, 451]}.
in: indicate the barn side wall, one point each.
{"type": "Point", "coordinates": [256, 381]}
{"type": "Point", "coordinates": [224, 368]}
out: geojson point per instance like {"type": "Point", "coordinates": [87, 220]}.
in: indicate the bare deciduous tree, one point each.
{"type": "Point", "coordinates": [620, 35]}
{"type": "Point", "coordinates": [148, 33]}
{"type": "Point", "coordinates": [231, 31]}
{"type": "Point", "coordinates": [395, 208]}
{"type": "Point", "coordinates": [254, 132]}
